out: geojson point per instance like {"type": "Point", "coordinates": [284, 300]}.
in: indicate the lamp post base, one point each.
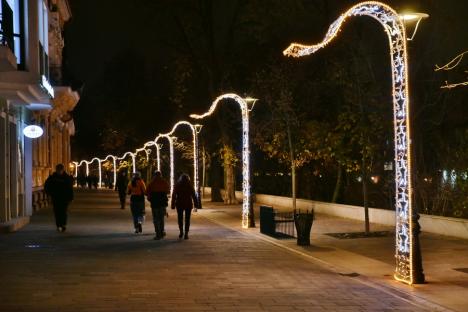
{"type": "Point", "coordinates": [418, 272]}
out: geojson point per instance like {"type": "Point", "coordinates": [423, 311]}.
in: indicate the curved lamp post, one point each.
{"type": "Point", "coordinates": [75, 164]}
{"type": "Point", "coordinates": [133, 160]}
{"type": "Point", "coordinates": [195, 131]}
{"type": "Point", "coordinates": [171, 155]}
{"type": "Point", "coordinates": [158, 155]}
{"type": "Point", "coordinates": [408, 257]}
{"type": "Point", "coordinates": [99, 169]}
{"type": "Point", "coordinates": [158, 148]}
{"type": "Point", "coordinates": [147, 153]}
{"type": "Point", "coordinates": [247, 209]}
{"type": "Point", "coordinates": [87, 166]}
{"type": "Point", "coordinates": [114, 166]}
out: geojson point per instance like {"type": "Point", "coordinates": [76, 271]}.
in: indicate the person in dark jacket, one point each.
{"type": "Point", "coordinates": [137, 191]}
{"type": "Point", "coordinates": [183, 198]}
{"type": "Point", "coordinates": [59, 186]}
{"type": "Point", "coordinates": [121, 186]}
{"type": "Point", "coordinates": [156, 193]}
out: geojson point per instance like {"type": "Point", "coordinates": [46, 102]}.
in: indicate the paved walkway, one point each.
{"type": "Point", "coordinates": [100, 265]}
{"type": "Point", "coordinates": [445, 259]}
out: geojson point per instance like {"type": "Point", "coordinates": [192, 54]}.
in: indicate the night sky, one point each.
{"type": "Point", "coordinates": [125, 56]}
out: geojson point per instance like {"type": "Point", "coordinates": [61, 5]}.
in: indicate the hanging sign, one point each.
{"type": "Point", "coordinates": [33, 131]}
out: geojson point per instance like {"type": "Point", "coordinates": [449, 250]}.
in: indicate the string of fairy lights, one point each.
{"type": "Point", "coordinates": [394, 27]}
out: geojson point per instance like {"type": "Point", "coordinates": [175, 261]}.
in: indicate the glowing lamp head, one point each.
{"type": "Point", "coordinates": [409, 17]}
{"type": "Point", "coordinates": [249, 99]}
{"type": "Point", "coordinates": [33, 131]}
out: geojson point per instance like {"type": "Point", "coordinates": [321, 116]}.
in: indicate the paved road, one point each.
{"type": "Point", "coordinates": [100, 265]}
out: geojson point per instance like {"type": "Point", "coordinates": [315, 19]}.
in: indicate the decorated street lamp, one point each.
{"type": "Point", "coordinates": [114, 166]}
{"type": "Point", "coordinates": [196, 175]}
{"type": "Point", "coordinates": [171, 155]}
{"type": "Point", "coordinates": [133, 160]}
{"type": "Point", "coordinates": [87, 166]}
{"type": "Point", "coordinates": [158, 155]}
{"type": "Point", "coordinates": [75, 164]}
{"type": "Point", "coordinates": [408, 257]}
{"type": "Point", "coordinates": [99, 169]}
{"type": "Point", "coordinates": [158, 149]}
{"type": "Point", "coordinates": [147, 153]}
{"type": "Point", "coordinates": [246, 105]}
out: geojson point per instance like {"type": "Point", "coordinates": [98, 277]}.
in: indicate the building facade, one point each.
{"type": "Point", "coordinates": [54, 146]}
{"type": "Point", "coordinates": [30, 49]}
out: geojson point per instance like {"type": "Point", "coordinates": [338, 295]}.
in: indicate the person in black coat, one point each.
{"type": "Point", "coordinates": [59, 186]}
{"type": "Point", "coordinates": [121, 186]}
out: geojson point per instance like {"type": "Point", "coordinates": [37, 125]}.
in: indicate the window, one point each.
{"type": "Point", "coordinates": [12, 29]}
{"type": "Point", "coordinates": [6, 11]}
{"type": "Point", "coordinates": [18, 32]}
{"type": "Point", "coordinates": [43, 26]}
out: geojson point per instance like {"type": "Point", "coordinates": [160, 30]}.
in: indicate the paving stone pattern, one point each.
{"type": "Point", "coordinates": [100, 265]}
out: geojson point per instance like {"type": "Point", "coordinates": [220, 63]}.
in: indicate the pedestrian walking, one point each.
{"type": "Point", "coordinates": [59, 186]}
{"type": "Point", "coordinates": [137, 190]}
{"type": "Point", "coordinates": [183, 199]}
{"type": "Point", "coordinates": [89, 181]}
{"type": "Point", "coordinates": [156, 192]}
{"type": "Point", "coordinates": [95, 181]}
{"type": "Point", "coordinates": [121, 187]}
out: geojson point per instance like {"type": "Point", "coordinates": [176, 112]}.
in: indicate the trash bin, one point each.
{"type": "Point", "coordinates": [267, 220]}
{"type": "Point", "coordinates": [303, 221]}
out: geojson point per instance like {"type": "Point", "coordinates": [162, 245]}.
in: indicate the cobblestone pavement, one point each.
{"type": "Point", "coordinates": [100, 265]}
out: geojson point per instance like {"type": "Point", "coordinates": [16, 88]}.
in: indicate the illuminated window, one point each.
{"type": "Point", "coordinates": [43, 31]}
{"type": "Point", "coordinates": [11, 28]}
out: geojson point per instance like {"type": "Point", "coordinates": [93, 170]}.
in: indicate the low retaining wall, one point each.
{"type": "Point", "coordinates": [432, 224]}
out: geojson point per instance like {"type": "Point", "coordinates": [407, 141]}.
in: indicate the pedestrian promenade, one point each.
{"type": "Point", "coordinates": [445, 259]}
{"type": "Point", "coordinates": [99, 264]}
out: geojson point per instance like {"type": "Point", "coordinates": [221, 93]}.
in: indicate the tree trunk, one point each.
{"type": "Point", "coordinates": [293, 166]}
{"type": "Point", "coordinates": [339, 178]}
{"type": "Point", "coordinates": [203, 171]}
{"type": "Point", "coordinates": [365, 195]}
{"type": "Point", "coordinates": [216, 181]}
{"type": "Point", "coordinates": [230, 191]}
{"type": "Point", "coordinates": [229, 177]}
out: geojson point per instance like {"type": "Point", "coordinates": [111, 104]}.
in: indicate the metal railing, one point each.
{"type": "Point", "coordinates": [276, 224]}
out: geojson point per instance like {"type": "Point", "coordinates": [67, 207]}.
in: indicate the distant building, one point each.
{"type": "Point", "coordinates": [31, 46]}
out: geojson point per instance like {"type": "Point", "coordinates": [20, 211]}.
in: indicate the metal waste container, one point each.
{"type": "Point", "coordinates": [303, 221]}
